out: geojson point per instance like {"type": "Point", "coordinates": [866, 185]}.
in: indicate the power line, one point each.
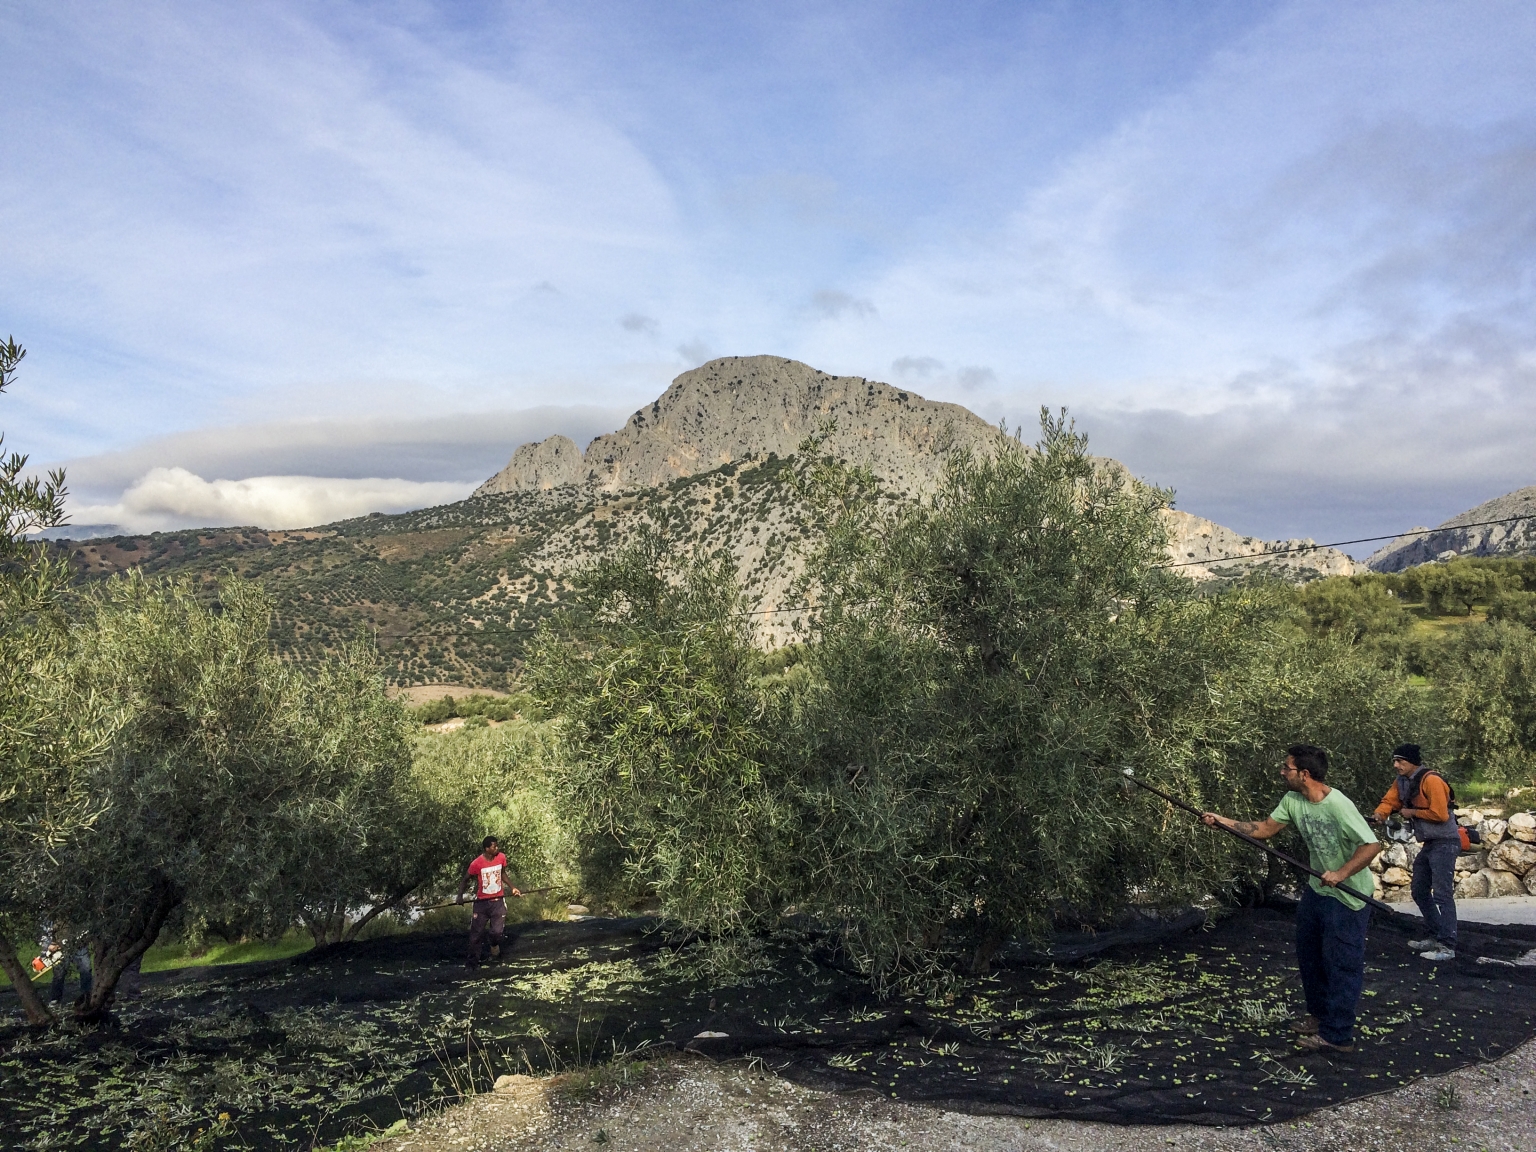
{"type": "Point", "coordinates": [1172, 564]}
{"type": "Point", "coordinates": [1341, 543]}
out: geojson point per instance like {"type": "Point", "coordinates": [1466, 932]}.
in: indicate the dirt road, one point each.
{"type": "Point", "coordinates": [687, 1104]}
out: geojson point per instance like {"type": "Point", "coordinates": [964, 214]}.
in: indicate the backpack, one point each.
{"type": "Point", "coordinates": [1468, 836]}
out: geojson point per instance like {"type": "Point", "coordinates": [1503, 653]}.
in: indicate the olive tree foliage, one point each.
{"type": "Point", "coordinates": [988, 662]}
{"type": "Point", "coordinates": [497, 782]}
{"type": "Point", "coordinates": [941, 768]}
{"type": "Point", "coordinates": [47, 737]}
{"type": "Point", "coordinates": [370, 835]}
{"type": "Point", "coordinates": [235, 787]}
{"type": "Point", "coordinates": [666, 742]}
{"type": "Point", "coordinates": [1485, 691]}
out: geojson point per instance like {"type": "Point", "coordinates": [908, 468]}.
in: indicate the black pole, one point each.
{"type": "Point", "coordinates": [1254, 840]}
{"type": "Point", "coordinates": [461, 903]}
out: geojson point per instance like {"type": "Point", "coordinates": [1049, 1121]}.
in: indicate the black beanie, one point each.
{"type": "Point", "coordinates": [1408, 752]}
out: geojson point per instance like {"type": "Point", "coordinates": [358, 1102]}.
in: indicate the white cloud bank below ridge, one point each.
{"type": "Point", "coordinates": [164, 499]}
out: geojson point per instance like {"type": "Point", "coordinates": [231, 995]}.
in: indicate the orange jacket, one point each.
{"type": "Point", "coordinates": [1434, 798]}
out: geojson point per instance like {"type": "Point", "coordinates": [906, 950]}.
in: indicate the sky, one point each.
{"type": "Point", "coordinates": [278, 263]}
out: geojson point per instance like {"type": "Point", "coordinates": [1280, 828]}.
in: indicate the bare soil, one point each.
{"type": "Point", "coordinates": [689, 1104]}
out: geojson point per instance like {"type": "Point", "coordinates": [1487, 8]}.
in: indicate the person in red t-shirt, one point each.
{"type": "Point", "coordinates": [488, 872]}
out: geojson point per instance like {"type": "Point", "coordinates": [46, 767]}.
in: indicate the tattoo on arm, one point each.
{"type": "Point", "coordinates": [1247, 827]}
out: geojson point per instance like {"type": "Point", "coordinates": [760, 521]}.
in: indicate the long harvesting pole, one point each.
{"type": "Point", "coordinates": [461, 903]}
{"type": "Point", "coordinates": [1130, 775]}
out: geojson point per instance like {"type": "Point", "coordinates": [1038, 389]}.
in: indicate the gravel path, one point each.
{"type": "Point", "coordinates": [688, 1104]}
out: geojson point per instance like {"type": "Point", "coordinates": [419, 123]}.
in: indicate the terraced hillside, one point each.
{"type": "Point", "coordinates": [453, 593]}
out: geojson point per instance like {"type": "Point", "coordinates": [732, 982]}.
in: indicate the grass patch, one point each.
{"type": "Point", "coordinates": [168, 956]}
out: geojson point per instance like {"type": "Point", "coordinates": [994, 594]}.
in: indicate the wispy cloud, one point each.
{"type": "Point", "coordinates": [1293, 216]}
{"type": "Point", "coordinates": [167, 498]}
{"type": "Point", "coordinates": [831, 304]}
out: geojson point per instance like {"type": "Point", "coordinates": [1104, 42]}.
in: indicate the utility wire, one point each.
{"type": "Point", "coordinates": [1341, 543]}
{"type": "Point", "coordinates": [1173, 564]}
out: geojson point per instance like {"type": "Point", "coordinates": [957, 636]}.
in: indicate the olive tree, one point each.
{"type": "Point", "coordinates": [498, 782]}
{"type": "Point", "coordinates": [47, 737]}
{"type": "Point", "coordinates": [986, 662]}
{"type": "Point", "coordinates": [360, 844]}
{"type": "Point", "coordinates": [940, 768]}
{"type": "Point", "coordinates": [666, 762]}
{"type": "Point", "coordinates": [230, 778]}
{"type": "Point", "coordinates": [1485, 690]}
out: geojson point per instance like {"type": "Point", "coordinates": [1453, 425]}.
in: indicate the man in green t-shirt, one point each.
{"type": "Point", "coordinates": [1331, 920]}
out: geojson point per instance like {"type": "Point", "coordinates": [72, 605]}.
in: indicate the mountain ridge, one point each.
{"type": "Point", "coordinates": [1456, 536]}
{"type": "Point", "coordinates": [452, 594]}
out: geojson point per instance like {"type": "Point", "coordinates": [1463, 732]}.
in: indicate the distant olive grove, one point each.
{"type": "Point", "coordinates": [1466, 632]}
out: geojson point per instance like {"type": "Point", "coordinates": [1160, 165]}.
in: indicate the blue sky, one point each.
{"type": "Point", "coordinates": [1277, 255]}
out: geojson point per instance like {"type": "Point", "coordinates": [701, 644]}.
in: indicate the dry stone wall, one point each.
{"type": "Point", "coordinates": [1504, 864]}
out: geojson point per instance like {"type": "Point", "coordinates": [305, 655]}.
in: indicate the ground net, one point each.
{"type": "Point", "coordinates": [1188, 1026]}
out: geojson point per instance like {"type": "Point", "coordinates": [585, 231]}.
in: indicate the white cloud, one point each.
{"type": "Point", "coordinates": [168, 498]}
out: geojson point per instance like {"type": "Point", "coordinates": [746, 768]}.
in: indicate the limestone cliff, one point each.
{"type": "Point", "coordinates": [1456, 537]}
{"type": "Point", "coordinates": [1204, 550]}
{"type": "Point", "coordinates": [746, 407]}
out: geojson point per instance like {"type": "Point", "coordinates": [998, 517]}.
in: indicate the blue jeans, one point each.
{"type": "Point", "coordinates": [1434, 888]}
{"type": "Point", "coordinates": [1330, 950]}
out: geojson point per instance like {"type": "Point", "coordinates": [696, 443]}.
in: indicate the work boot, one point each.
{"type": "Point", "coordinates": [1318, 1044]}
{"type": "Point", "coordinates": [495, 951]}
{"type": "Point", "coordinates": [1306, 1026]}
{"type": "Point", "coordinates": [1422, 945]}
{"type": "Point", "coordinates": [1439, 952]}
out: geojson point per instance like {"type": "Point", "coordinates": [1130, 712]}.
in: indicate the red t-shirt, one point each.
{"type": "Point", "coordinates": [489, 884]}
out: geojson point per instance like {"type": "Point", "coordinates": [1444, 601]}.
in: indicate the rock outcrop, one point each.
{"type": "Point", "coordinates": [1455, 537]}
{"type": "Point", "coordinates": [539, 466]}
{"type": "Point", "coordinates": [742, 408]}
{"type": "Point", "coordinates": [1204, 550]}
{"type": "Point", "coordinates": [746, 407]}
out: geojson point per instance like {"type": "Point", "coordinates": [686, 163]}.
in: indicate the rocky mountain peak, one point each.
{"type": "Point", "coordinates": [744, 407]}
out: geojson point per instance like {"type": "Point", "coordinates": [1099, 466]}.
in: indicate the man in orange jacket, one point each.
{"type": "Point", "coordinates": [1422, 795]}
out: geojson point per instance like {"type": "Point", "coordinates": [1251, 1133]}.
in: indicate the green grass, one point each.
{"type": "Point", "coordinates": [1440, 625]}
{"type": "Point", "coordinates": [164, 957]}
{"type": "Point", "coordinates": [1470, 792]}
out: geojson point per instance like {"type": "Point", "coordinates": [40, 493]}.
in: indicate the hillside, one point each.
{"type": "Point", "coordinates": [1454, 538]}
{"type": "Point", "coordinates": [452, 594]}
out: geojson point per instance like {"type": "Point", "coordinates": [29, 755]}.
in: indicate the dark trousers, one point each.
{"type": "Point", "coordinates": [488, 919]}
{"type": "Point", "coordinates": [1330, 949]}
{"type": "Point", "coordinates": [82, 962]}
{"type": "Point", "coordinates": [1434, 888]}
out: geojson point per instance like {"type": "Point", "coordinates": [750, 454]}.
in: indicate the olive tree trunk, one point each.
{"type": "Point", "coordinates": [111, 958]}
{"type": "Point", "coordinates": [21, 980]}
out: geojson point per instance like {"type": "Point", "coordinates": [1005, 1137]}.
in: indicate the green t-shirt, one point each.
{"type": "Point", "coordinates": [1332, 829]}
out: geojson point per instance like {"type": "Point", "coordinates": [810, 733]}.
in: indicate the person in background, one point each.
{"type": "Point", "coordinates": [487, 872]}
{"type": "Point", "coordinates": [1422, 795]}
{"type": "Point", "coordinates": [62, 957]}
{"type": "Point", "coordinates": [1332, 919]}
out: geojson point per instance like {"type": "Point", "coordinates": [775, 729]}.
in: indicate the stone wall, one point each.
{"type": "Point", "coordinates": [1504, 864]}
